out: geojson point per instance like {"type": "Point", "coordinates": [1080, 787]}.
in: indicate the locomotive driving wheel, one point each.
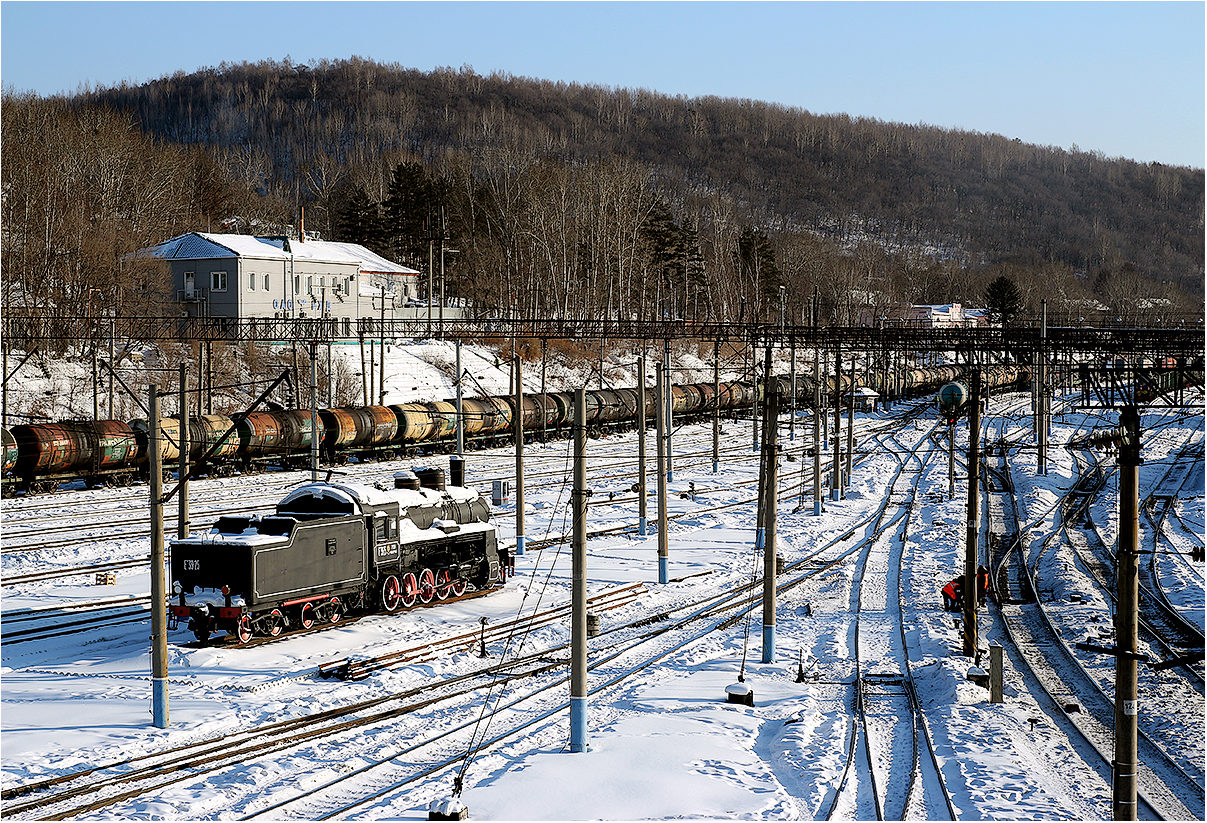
{"type": "Point", "coordinates": [458, 586]}
{"type": "Point", "coordinates": [336, 609]}
{"type": "Point", "coordinates": [444, 584]}
{"type": "Point", "coordinates": [391, 594]}
{"type": "Point", "coordinates": [410, 590]}
{"type": "Point", "coordinates": [427, 586]}
{"type": "Point", "coordinates": [244, 632]}
{"type": "Point", "coordinates": [276, 623]}
{"type": "Point", "coordinates": [307, 615]}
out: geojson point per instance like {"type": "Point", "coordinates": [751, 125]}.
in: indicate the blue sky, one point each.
{"type": "Point", "coordinates": [1126, 79]}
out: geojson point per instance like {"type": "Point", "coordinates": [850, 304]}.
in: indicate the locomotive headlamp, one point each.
{"type": "Point", "coordinates": [226, 591]}
{"type": "Point", "coordinates": [176, 587]}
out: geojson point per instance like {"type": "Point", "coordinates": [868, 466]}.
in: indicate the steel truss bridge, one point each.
{"type": "Point", "coordinates": [26, 332]}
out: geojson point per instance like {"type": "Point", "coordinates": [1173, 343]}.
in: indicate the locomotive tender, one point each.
{"type": "Point", "coordinates": [330, 548]}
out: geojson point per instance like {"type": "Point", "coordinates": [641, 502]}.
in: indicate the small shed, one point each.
{"type": "Point", "coordinates": [866, 399]}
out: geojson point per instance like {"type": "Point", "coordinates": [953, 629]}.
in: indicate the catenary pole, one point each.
{"type": "Point", "coordinates": [818, 420]}
{"type": "Point", "coordinates": [518, 423]}
{"type": "Point", "coordinates": [669, 421]}
{"type": "Point", "coordinates": [973, 513]}
{"type": "Point", "coordinates": [836, 473]}
{"type": "Point", "coordinates": [314, 416]}
{"type": "Point", "coordinates": [1127, 639]}
{"type": "Point", "coordinates": [460, 409]}
{"type": "Point", "coordinates": [663, 538]}
{"type": "Point", "coordinates": [642, 513]}
{"type": "Point", "coordinates": [381, 378]}
{"type": "Point", "coordinates": [578, 624]}
{"type": "Point", "coordinates": [846, 475]}
{"type": "Point", "coordinates": [770, 501]}
{"type": "Point", "coordinates": [182, 500]}
{"type": "Point", "coordinates": [159, 615]}
{"type": "Point", "coordinates": [716, 405]}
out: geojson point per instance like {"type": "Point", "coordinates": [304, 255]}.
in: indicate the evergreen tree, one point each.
{"type": "Point", "coordinates": [1003, 303]}
{"type": "Point", "coordinates": [411, 214]}
{"type": "Point", "coordinates": [357, 219]}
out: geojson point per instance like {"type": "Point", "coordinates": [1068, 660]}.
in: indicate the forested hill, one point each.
{"type": "Point", "coordinates": [986, 193]}
{"type": "Point", "coordinates": [566, 198]}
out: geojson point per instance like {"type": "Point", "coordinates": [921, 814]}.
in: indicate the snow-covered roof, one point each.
{"type": "Point", "coordinates": [209, 246]}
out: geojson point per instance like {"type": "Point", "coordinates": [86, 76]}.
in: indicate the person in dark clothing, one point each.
{"type": "Point", "coordinates": [982, 584]}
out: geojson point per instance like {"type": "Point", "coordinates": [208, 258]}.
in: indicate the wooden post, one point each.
{"type": "Point", "coordinates": [716, 408]}
{"type": "Point", "coordinates": [642, 514]}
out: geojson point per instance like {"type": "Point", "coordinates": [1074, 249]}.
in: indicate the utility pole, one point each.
{"type": "Point", "coordinates": [836, 474]}
{"type": "Point", "coordinates": [209, 378]}
{"type": "Point", "coordinates": [578, 623]}
{"type": "Point", "coordinates": [642, 522]}
{"type": "Point", "coordinates": [364, 372]}
{"type": "Point", "coordinates": [544, 396]}
{"type": "Point", "coordinates": [1042, 433]}
{"type": "Point", "coordinates": [973, 512]}
{"type": "Point", "coordinates": [112, 365]}
{"type": "Point", "coordinates": [314, 416]}
{"type": "Point", "coordinates": [182, 502]}
{"type": "Point", "coordinates": [846, 478]}
{"type": "Point", "coordinates": [759, 392]}
{"type": "Point", "coordinates": [460, 412]}
{"type": "Point", "coordinates": [951, 457]}
{"type": "Point", "coordinates": [1127, 640]}
{"type": "Point", "coordinates": [792, 389]}
{"type": "Point", "coordinates": [381, 379]}
{"type": "Point", "coordinates": [519, 458]}
{"type": "Point", "coordinates": [159, 614]}
{"type": "Point", "coordinates": [669, 421]}
{"type": "Point", "coordinates": [817, 423]}
{"type": "Point", "coordinates": [664, 551]}
{"type": "Point", "coordinates": [716, 406]}
{"type": "Point", "coordinates": [770, 501]}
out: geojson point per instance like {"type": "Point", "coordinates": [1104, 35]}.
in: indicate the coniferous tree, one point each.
{"type": "Point", "coordinates": [1003, 303]}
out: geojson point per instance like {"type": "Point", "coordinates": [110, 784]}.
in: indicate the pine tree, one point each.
{"type": "Point", "coordinates": [1003, 303]}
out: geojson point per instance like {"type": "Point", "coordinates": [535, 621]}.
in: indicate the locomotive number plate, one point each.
{"type": "Point", "coordinates": [192, 565]}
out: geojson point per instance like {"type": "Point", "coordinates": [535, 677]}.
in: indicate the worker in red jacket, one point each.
{"type": "Point", "coordinates": [982, 584]}
{"type": "Point", "coordinates": [953, 593]}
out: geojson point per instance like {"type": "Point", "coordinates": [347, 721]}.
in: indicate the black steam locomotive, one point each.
{"type": "Point", "coordinates": [330, 548]}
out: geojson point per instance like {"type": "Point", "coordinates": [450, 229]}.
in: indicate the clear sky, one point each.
{"type": "Point", "coordinates": [1126, 79]}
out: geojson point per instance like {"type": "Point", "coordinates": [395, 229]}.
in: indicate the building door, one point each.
{"type": "Point", "coordinates": [190, 279]}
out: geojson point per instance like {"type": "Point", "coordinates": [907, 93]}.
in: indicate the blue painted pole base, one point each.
{"type": "Point", "coordinates": [670, 477]}
{"type": "Point", "coordinates": [817, 508]}
{"type": "Point", "coordinates": [643, 526]}
{"type": "Point", "coordinates": [578, 724]}
{"type": "Point", "coordinates": [715, 467]}
{"type": "Point", "coordinates": [159, 702]}
{"type": "Point", "coordinates": [760, 538]}
{"type": "Point", "coordinates": [519, 545]}
{"type": "Point", "coordinates": [769, 643]}
{"type": "Point", "coordinates": [663, 571]}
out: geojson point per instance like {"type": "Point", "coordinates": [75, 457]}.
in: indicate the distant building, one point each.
{"type": "Point", "coordinates": [244, 276]}
{"type": "Point", "coordinates": [950, 315]}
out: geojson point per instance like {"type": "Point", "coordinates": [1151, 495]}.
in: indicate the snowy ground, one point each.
{"type": "Point", "coordinates": [664, 744]}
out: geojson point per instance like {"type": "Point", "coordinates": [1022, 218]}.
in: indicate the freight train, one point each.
{"type": "Point", "coordinates": [333, 548]}
{"type": "Point", "coordinates": [40, 456]}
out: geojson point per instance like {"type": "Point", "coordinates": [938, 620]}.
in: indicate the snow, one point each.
{"type": "Point", "coordinates": [663, 743]}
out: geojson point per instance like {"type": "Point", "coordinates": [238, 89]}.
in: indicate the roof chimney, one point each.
{"type": "Point", "coordinates": [302, 226]}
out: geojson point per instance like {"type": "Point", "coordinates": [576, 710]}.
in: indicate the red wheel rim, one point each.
{"type": "Point", "coordinates": [458, 587]}
{"type": "Point", "coordinates": [307, 615]}
{"type": "Point", "coordinates": [427, 586]}
{"type": "Point", "coordinates": [391, 594]}
{"type": "Point", "coordinates": [278, 623]}
{"type": "Point", "coordinates": [244, 632]}
{"type": "Point", "coordinates": [337, 609]}
{"type": "Point", "coordinates": [444, 584]}
{"type": "Point", "coordinates": [410, 590]}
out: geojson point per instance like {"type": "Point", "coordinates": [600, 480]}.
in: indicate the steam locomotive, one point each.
{"type": "Point", "coordinates": [333, 548]}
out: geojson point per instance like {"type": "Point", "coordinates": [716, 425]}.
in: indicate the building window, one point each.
{"type": "Point", "coordinates": [310, 285]}
{"type": "Point", "coordinates": [322, 281]}
{"type": "Point", "coordinates": [251, 282]}
{"type": "Point", "coordinates": [217, 281]}
{"type": "Point", "coordinates": [266, 282]}
{"type": "Point", "coordinates": [297, 283]}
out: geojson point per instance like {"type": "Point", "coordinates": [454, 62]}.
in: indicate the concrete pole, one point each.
{"type": "Point", "coordinates": [817, 423]}
{"type": "Point", "coordinates": [951, 460]}
{"type": "Point", "coordinates": [544, 396]}
{"type": "Point", "coordinates": [716, 410]}
{"type": "Point", "coordinates": [519, 457]}
{"type": "Point", "coordinates": [846, 477]}
{"type": "Point", "coordinates": [664, 551]}
{"type": "Point", "coordinates": [836, 473]}
{"type": "Point", "coordinates": [182, 494]}
{"type": "Point", "coordinates": [96, 385]}
{"type": "Point", "coordinates": [1042, 432]}
{"type": "Point", "coordinates": [460, 410]}
{"type": "Point", "coordinates": [381, 379]}
{"type": "Point", "coordinates": [112, 366]}
{"type": "Point", "coordinates": [973, 512]}
{"type": "Point", "coordinates": [314, 416]}
{"type": "Point", "coordinates": [578, 622]}
{"type": "Point", "coordinates": [758, 398]}
{"type": "Point", "coordinates": [364, 372]}
{"type": "Point", "coordinates": [159, 613]}
{"type": "Point", "coordinates": [669, 421]}
{"type": "Point", "coordinates": [792, 389]}
{"type": "Point", "coordinates": [1127, 640]}
{"type": "Point", "coordinates": [209, 378]}
{"type": "Point", "coordinates": [642, 514]}
{"type": "Point", "coordinates": [770, 503]}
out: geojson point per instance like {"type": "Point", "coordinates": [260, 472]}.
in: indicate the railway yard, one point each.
{"type": "Point", "coordinates": [867, 712]}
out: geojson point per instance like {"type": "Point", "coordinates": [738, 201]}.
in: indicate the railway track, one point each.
{"type": "Point", "coordinates": [1078, 702]}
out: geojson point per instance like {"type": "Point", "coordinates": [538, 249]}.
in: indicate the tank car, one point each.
{"type": "Point", "coordinates": [332, 548]}
{"type": "Point", "coordinates": [77, 448]}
